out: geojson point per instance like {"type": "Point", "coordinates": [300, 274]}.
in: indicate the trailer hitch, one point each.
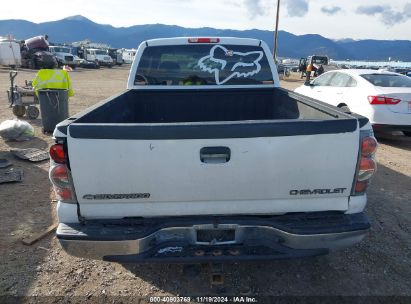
{"type": "Point", "coordinates": [216, 275]}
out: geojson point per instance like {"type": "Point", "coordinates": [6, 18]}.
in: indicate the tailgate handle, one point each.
{"type": "Point", "coordinates": [215, 155]}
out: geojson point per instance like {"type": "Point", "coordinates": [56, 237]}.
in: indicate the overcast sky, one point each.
{"type": "Point", "coordinates": [365, 19]}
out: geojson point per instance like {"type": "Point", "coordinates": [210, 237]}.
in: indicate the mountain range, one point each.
{"type": "Point", "coordinates": [77, 28]}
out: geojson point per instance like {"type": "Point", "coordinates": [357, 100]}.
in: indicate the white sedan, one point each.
{"type": "Point", "coordinates": [383, 97]}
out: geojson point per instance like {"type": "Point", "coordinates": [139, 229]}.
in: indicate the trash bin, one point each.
{"type": "Point", "coordinates": [53, 107]}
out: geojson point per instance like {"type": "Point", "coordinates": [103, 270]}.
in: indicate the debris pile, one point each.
{"type": "Point", "coordinates": [16, 130]}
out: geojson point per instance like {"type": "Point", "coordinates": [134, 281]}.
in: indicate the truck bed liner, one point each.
{"type": "Point", "coordinates": [194, 114]}
{"type": "Point", "coordinates": [163, 106]}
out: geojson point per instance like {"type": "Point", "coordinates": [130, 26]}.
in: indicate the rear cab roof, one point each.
{"type": "Point", "coordinates": [184, 41]}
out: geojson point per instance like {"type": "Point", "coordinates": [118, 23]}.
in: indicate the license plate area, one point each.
{"type": "Point", "coordinates": [215, 236]}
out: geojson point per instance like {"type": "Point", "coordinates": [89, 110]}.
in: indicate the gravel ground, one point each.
{"type": "Point", "coordinates": [380, 265]}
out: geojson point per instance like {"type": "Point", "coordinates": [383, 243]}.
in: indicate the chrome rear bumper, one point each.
{"type": "Point", "coordinates": [201, 240]}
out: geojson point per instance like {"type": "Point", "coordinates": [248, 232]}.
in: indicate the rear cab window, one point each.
{"type": "Point", "coordinates": [203, 64]}
{"type": "Point", "coordinates": [388, 80]}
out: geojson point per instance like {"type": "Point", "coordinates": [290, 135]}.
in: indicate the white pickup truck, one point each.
{"type": "Point", "coordinates": [204, 158]}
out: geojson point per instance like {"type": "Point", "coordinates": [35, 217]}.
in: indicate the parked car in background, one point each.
{"type": "Point", "coordinates": [283, 71]}
{"type": "Point", "coordinates": [99, 56]}
{"type": "Point", "coordinates": [321, 64]}
{"type": "Point", "coordinates": [128, 55]}
{"type": "Point", "coordinates": [402, 71]}
{"type": "Point", "coordinates": [383, 97]}
{"type": "Point", "coordinates": [116, 55]}
{"type": "Point", "coordinates": [318, 60]}
{"type": "Point", "coordinates": [83, 63]}
{"type": "Point", "coordinates": [77, 60]}
{"type": "Point", "coordinates": [64, 56]}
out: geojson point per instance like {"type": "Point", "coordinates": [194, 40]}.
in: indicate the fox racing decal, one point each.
{"type": "Point", "coordinates": [240, 64]}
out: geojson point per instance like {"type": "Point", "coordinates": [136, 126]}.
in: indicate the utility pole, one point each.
{"type": "Point", "coordinates": [276, 32]}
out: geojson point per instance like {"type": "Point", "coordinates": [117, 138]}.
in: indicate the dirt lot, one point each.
{"type": "Point", "coordinates": [381, 265]}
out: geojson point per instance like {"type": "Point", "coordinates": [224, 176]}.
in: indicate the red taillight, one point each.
{"type": "Point", "coordinates": [360, 187]}
{"type": "Point", "coordinates": [376, 100]}
{"type": "Point", "coordinates": [64, 194]}
{"type": "Point", "coordinates": [57, 153]}
{"type": "Point", "coordinates": [368, 146]}
{"type": "Point", "coordinates": [60, 177]}
{"type": "Point", "coordinates": [379, 100]}
{"type": "Point", "coordinates": [203, 40]}
{"type": "Point", "coordinates": [367, 165]}
{"type": "Point", "coordinates": [392, 101]}
{"type": "Point", "coordinates": [367, 169]}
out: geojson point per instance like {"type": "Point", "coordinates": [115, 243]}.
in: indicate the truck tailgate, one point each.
{"type": "Point", "coordinates": [116, 176]}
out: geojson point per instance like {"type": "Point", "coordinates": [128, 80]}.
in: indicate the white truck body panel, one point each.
{"type": "Point", "coordinates": [128, 55]}
{"type": "Point", "coordinates": [256, 180]}
{"type": "Point", "coordinates": [92, 55]}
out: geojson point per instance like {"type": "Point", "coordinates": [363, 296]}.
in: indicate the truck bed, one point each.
{"type": "Point", "coordinates": [190, 114]}
{"type": "Point", "coordinates": [138, 106]}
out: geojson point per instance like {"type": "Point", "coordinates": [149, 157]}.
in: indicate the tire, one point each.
{"type": "Point", "coordinates": [345, 109]}
{"type": "Point", "coordinates": [19, 110]}
{"type": "Point", "coordinates": [407, 133]}
{"type": "Point", "coordinates": [33, 112]}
